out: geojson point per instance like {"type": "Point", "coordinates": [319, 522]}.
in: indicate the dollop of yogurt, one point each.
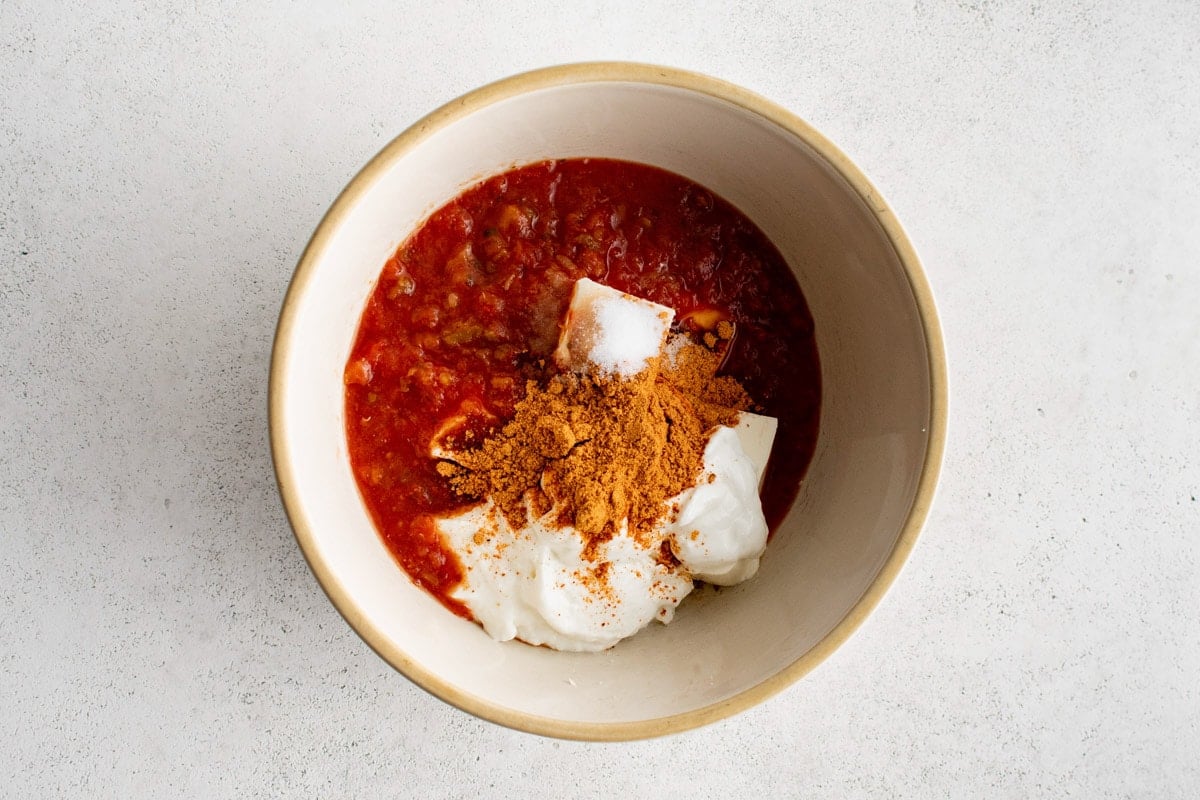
{"type": "Point", "coordinates": [534, 584]}
{"type": "Point", "coordinates": [720, 532]}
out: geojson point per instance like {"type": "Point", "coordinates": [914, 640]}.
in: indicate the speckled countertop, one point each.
{"type": "Point", "coordinates": [162, 166]}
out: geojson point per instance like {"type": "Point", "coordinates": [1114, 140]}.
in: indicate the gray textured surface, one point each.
{"type": "Point", "coordinates": [161, 170]}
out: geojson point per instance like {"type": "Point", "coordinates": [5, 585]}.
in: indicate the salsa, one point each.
{"type": "Point", "coordinates": [468, 309]}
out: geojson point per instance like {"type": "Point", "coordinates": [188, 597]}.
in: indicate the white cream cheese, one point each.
{"type": "Point", "coordinates": [614, 332]}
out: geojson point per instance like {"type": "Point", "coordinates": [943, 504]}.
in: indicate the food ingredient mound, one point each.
{"type": "Point", "coordinates": [598, 450]}
{"type": "Point", "coordinates": [604, 462]}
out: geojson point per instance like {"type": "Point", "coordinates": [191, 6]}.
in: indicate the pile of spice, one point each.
{"type": "Point", "coordinates": [601, 449]}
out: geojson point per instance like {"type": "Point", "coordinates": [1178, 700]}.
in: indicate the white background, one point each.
{"type": "Point", "coordinates": [161, 167]}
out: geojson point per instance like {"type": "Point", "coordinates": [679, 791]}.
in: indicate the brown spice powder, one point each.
{"type": "Point", "coordinates": [603, 450]}
{"type": "Point", "coordinates": [693, 372]}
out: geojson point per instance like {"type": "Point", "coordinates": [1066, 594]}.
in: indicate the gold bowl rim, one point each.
{"type": "Point", "coordinates": [602, 72]}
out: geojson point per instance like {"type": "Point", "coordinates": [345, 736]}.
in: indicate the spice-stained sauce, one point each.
{"type": "Point", "coordinates": [468, 309]}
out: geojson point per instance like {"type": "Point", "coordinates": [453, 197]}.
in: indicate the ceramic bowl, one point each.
{"type": "Point", "coordinates": [883, 416]}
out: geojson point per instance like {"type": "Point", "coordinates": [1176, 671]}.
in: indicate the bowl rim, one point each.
{"type": "Point", "coordinates": [610, 72]}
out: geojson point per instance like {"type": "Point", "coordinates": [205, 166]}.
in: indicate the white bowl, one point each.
{"type": "Point", "coordinates": [883, 411]}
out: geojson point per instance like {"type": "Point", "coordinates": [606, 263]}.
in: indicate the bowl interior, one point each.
{"type": "Point", "coordinates": [855, 500]}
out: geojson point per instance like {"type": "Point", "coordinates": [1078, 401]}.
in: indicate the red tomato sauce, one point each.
{"type": "Point", "coordinates": [468, 309]}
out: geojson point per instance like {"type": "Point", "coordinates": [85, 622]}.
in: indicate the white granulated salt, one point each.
{"type": "Point", "coordinates": [611, 331]}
